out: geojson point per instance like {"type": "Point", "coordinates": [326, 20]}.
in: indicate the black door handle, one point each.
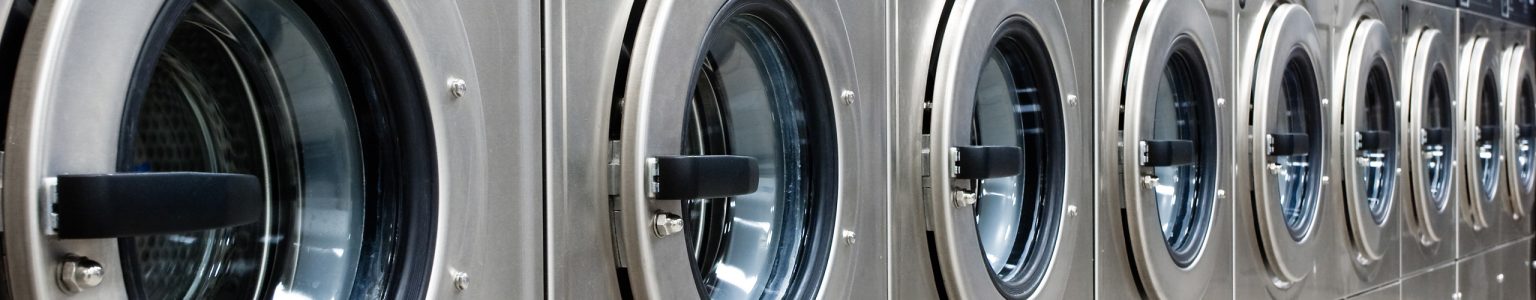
{"type": "Point", "coordinates": [1167, 153]}
{"type": "Point", "coordinates": [1286, 144]}
{"type": "Point", "coordinates": [702, 176]}
{"type": "Point", "coordinates": [134, 204]}
{"type": "Point", "coordinates": [982, 162]}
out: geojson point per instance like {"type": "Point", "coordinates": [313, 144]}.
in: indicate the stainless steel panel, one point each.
{"type": "Point", "coordinates": [503, 253]}
{"type": "Point", "coordinates": [1438, 282]}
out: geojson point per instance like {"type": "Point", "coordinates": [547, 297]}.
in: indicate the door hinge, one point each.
{"type": "Point", "coordinates": [925, 165]}
{"type": "Point", "coordinates": [615, 211]}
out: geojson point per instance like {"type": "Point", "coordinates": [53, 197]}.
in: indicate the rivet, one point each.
{"type": "Point", "coordinates": [1221, 102]}
{"type": "Point", "coordinates": [457, 87]}
{"type": "Point", "coordinates": [1071, 100]}
{"type": "Point", "coordinates": [1498, 278]}
{"type": "Point", "coordinates": [847, 97]}
{"type": "Point", "coordinates": [1071, 210]}
{"type": "Point", "coordinates": [849, 237]}
{"type": "Point", "coordinates": [460, 280]}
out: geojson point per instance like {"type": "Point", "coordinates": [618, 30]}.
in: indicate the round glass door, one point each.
{"type": "Point", "coordinates": [1296, 172]}
{"type": "Point", "coordinates": [1435, 138]}
{"type": "Point", "coordinates": [1375, 160]}
{"type": "Point", "coordinates": [755, 94]}
{"type": "Point", "coordinates": [1488, 145]}
{"type": "Point", "coordinates": [253, 87]}
{"type": "Point", "coordinates": [1016, 217]}
{"type": "Point", "coordinates": [1181, 112]}
{"type": "Point", "coordinates": [1525, 137]}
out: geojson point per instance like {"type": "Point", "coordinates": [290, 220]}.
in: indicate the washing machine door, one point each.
{"type": "Point", "coordinates": [1286, 148]}
{"type": "Point", "coordinates": [1432, 121]}
{"type": "Point", "coordinates": [219, 149]}
{"type": "Point", "coordinates": [1174, 149]}
{"type": "Point", "coordinates": [1519, 117]}
{"type": "Point", "coordinates": [1004, 173]}
{"type": "Point", "coordinates": [1483, 109]}
{"type": "Point", "coordinates": [733, 151]}
{"type": "Point", "coordinates": [1368, 137]}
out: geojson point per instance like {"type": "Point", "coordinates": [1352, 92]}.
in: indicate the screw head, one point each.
{"type": "Point", "coordinates": [460, 280]}
{"type": "Point", "coordinates": [847, 97]}
{"type": "Point", "coordinates": [77, 273]}
{"type": "Point", "coordinates": [964, 198]}
{"type": "Point", "coordinates": [457, 87]}
{"type": "Point", "coordinates": [1071, 210]}
{"type": "Point", "coordinates": [849, 237]}
{"type": "Point", "coordinates": [665, 224]}
{"type": "Point", "coordinates": [1071, 100]}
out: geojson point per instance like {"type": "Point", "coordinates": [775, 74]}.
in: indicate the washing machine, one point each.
{"type": "Point", "coordinates": [716, 149]}
{"type": "Point", "coordinates": [994, 140]}
{"type": "Point", "coordinates": [1482, 150]}
{"type": "Point", "coordinates": [242, 149]}
{"type": "Point", "coordinates": [1518, 79]}
{"type": "Point", "coordinates": [1431, 120]}
{"type": "Point", "coordinates": [1367, 113]}
{"type": "Point", "coordinates": [1282, 151]}
{"type": "Point", "coordinates": [1165, 150]}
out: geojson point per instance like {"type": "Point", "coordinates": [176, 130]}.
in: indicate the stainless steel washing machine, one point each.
{"type": "Point", "coordinates": [1368, 113]}
{"type": "Point", "coordinates": [994, 150]}
{"type": "Point", "coordinates": [716, 149]}
{"type": "Point", "coordinates": [1428, 83]}
{"type": "Point", "coordinates": [1165, 150]}
{"type": "Point", "coordinates": [1483, 192]}
{"type": "Point", "coordinates": [1283, 151]}
{"type": "Point", "coordinates": [241, 149]}
{"type": "Point", "coordinates": [1518, 79]}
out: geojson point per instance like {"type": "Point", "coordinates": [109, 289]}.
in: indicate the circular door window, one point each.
{"type": "Point", "coordinates": [1435, 138]}
{"type": "Point", "coordinates": [1375, 159]}
{"type": "Point", "coordinates": [1488, 145]}
{"type": "Point", "coordinates": [1015, 105]}
{"type": "Point", "coordinates": [254, 87]}
{"type": "Point", "coordinates": [757, 94]}
{"type": "Point", "coordinates": [1295, 133]}
{"type": "Point", "coordinates": [1180, 117]}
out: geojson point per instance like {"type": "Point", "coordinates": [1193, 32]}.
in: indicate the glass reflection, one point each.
{"type": "Point", "coordinates": [1178, 113]}
{"type": "Point", "coordinates": [1377, 167]}
{"type": "Point", "coordinates": [1295, 175]}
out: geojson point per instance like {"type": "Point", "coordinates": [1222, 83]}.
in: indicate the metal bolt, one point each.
{"type": "Point", "coordinates": [1456, 296]}
{"type": "Point", "coordinates": [1325, 180]}
{"type": "Point", "coordinates": [964, 198]}
{"type": "Point", "coordinates": [1221, 194]}
{"type": "Point", "coordinates": [77, 273]}
{"type": "Point", "coordinates": [847, 97]}
{"type": "Point", "coordinates": [1221, 102]}
{"type": "Point", "coordinates": [460, 280]}
{"type": "Point", "coordinates": [1325, 101]}
{"type": "Point", "coordinates": [458, 87]}
{"type": "Point", "coordinates": [665, 224]}
{"type": "Point", "coordinates": [1071, 210]}
{"type": "Point", "coordinates": [1498, 278]}
{"type": "Point", "coordinates": [849, 237]}
{"type": "Point", "coordinates": [1148, 181]}
{"type": "Point", "coordinates": [1071, 99]}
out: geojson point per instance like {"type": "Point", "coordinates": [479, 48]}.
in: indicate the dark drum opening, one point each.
{"type": "Point", "coordinates": [759, 91]}
{"type": "Point", "coordinates": [1183, 110]}
{"type": "Point", "coordinates": [1525, 151]}
{"type": "Point", "coordinates": [1298, 111]}
{"type": "Point", "coordinates": [1016, 104]}
{"type": "Point", "coordinates": [1436, 136]}
{"type": "Point", "coordinates": [1377, 167]}
{"type": "Point", "coordinates": [1490, 151]}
